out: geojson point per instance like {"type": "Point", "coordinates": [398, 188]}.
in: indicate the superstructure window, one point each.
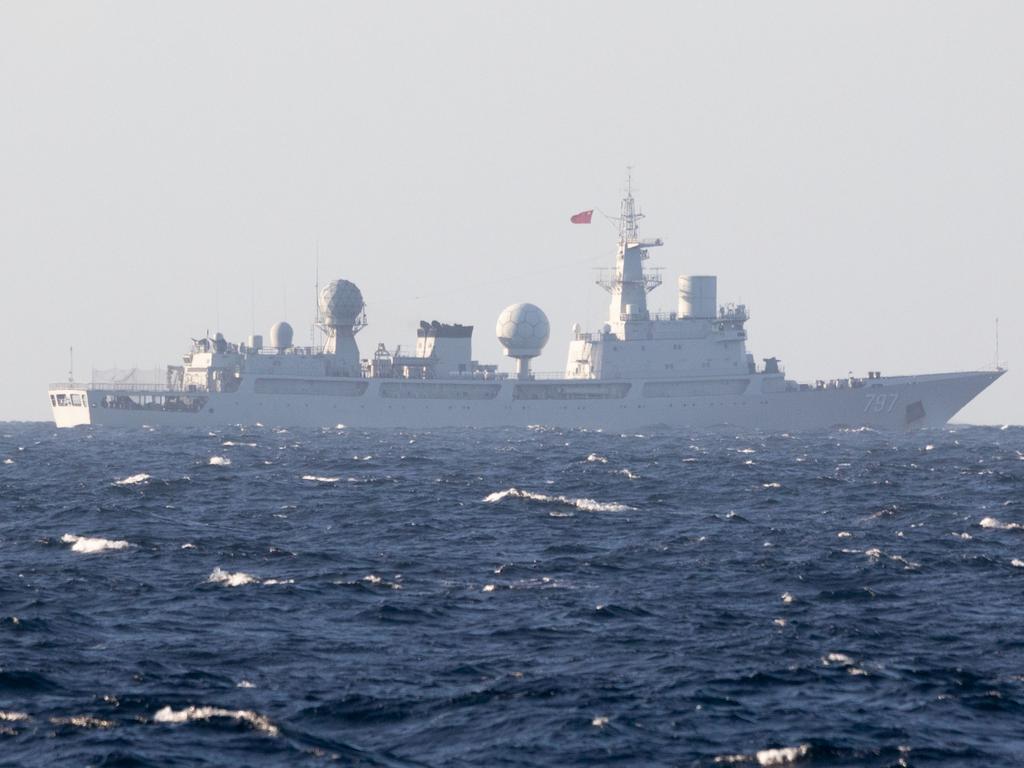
{"type": "Point", "coordinates": [53, 400]}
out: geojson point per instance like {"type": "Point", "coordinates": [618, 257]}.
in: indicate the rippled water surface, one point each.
{"type": "Point", "coordinates": [519, 597]}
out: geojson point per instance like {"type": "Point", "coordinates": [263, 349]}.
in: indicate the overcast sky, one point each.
{"type": "Point", "coordinates": [853, 172]}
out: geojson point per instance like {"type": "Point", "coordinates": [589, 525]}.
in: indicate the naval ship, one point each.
{"type": "Point", "coordinates": [688, 368]}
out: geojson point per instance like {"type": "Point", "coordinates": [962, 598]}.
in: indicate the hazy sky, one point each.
{"type": "Point", "coordinates": [853, 172]}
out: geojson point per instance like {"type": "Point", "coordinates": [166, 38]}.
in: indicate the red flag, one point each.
{"type": "Point", "coordinates": [583, 217]}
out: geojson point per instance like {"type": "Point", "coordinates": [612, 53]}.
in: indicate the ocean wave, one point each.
{"type": "Point", "coordinates": [320, 479]}
{"type": "Point", "coordinates": [991, 522]}
{"type": "Point", "coordinates": [767, 757]}
{"type": "Point", "coordinates": [12, 716]}
{"type": "Point", "coordinates": [83, 721]}
{"type": "Point", "coordinates": [191, 714]}
{"type": "Point", "coordinates": [133, 479]}
{"type": "Point", "coordinates": [587, 505]}
{"type": "Point", "coordinates": [90, 546]}
{"type": "Point", "coordinates": [228, 579]}
{"type": "Point", "coordinates": [594, 458]}
{"type": "Point", "coordinates": [219, 461]}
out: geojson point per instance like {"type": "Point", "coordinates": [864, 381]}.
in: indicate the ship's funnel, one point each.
{"type": "Point", "coordinates": [698, 296]}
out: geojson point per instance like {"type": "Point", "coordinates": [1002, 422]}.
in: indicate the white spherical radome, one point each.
{"type": "Point", "coordinates": [341, 303]}
{"type": "Point", "coordinates": [523, 330]}
{"type": "Point", "coordinates": [281, 335]}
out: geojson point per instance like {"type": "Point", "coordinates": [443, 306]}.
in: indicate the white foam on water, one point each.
{"type": "Point", "coordinates": [598, 459]}
{"type": "Point", "coordinates": [991, 522]}
{"type": "Point", "coordinates": [587, 505]}
{"type": "Point", "coordinates": [929, 447]}
{"type": "Point", "coordinates": [837, 658]}
{"type": "Point", "coordinates": [83, 721]}
{"type": "Point", "coordinates": [188, 545]}
{"type": "Point", "coordinates": [772, 485]}
{"type": "Point", "coordinates": [219, 461]}
{"type": "Point", "coordinates": [786, 597]}
{"type": "Point", "coordinates": [245, 684]}
{"type": "Point", "coordinates": [12, 716]}
{"type": "Point", "coordinates": [89, 546]}
{"type": "Point", "coordinates": [273, 582]}
{"type": "Point", "coordinates": [844, 535]}
{"type": "Point", "coordinates": [372, 578]}
{"type": "Point", "coordinates": [190, 714]}
{"type": "Point", "coordinates": [8, 461]}
{"type": "Point", "coordinates": [779, 622]}
{"type": "Point", "coordinates": [1017, 563]}
{"type": "Point", "coordinates": [965, 536]}
{"type": "Point", "coordinates": [600, 721]}
{"type": "Point", "coordinates": [230, 443]}
{"type": "Point", "coordinates": [745, 450]}
{"type": "Point", "coordinates": [133, 479]}
{"type": "Point", "coordinates": [488, 588]}
{"type": "Point", "coordinates": [228, 579]}
{"type": "Point", "coordinates": [782, 755]}
{"type": "Point", "coordinates": [873, 552]}
{"type": "Point", "coordinates": [628, 473]}
{"type": "Point", "coordinates": [319, 479]}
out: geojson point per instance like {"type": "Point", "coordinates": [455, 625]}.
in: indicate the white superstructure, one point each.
{"type": "Point", "coordinates": [685, 368]}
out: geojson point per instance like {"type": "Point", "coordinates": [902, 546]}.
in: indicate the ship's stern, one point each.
{"type": "Point", "coordinates": [70, 405]}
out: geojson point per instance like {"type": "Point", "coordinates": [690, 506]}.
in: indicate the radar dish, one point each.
{"type": "Point", "coordinates": [523, 330]}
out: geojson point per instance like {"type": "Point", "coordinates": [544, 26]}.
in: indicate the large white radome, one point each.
{"type": "Point", "coordinates": [523, 330]}
{"type": "Point", "coordinates": [341, 302]}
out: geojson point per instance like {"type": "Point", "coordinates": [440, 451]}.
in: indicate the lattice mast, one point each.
{"type": "Point", "coordinates": [630, 283]}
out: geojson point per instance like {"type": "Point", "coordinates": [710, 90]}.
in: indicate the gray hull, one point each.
{"type": "Point", "coordinates": [889, 403]}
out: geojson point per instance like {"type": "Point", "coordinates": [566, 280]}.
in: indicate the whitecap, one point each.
{"type": "Point", "coordinates": [188, 545]}
{"type": "Point", "coordinates": [600, 721]}
{"type": "Point", "coordinates": [587, 505]}
{"type": "Point", "coordinates": [219, 461]}
{"type": "Point", "coordinates": [273, 582]}
{"type": "Point", "coordinates": [189, 714]}
{"type": "Point", "coordinates": [772, 485]}
{"type": "Point", "coordinates": [629, 474]}
{"type": "Point", "coordinates": [779, 622]}
{"type": "Point", "coordinates": [89, 546]}
{"type": "Point", "coordinates": [489, 588]}
{"type": "Point", "coordinates": [991, 522]}
{"type": "Point", "coordinates": [786, 597]}
{"type": "Point", "coordinates": [837, 658]}
{"type": "Point", "coordinates": [782, 755]}
{"type": "Point", "coordinates": [11, 716]}
{"type": "Point", "coordinates": [1017, 563]}
{"type": "Point", "coordinates": [8, 461]}
{"type": "Point", "coordinates": [598, 459]}
{"type": "Point", "coordinates": [844, 535]}
{"type": "Point", "coordinates": [230, 443]}
{"type": "Point", "coordinates": [228, 579]}
{"type": "Point", "coordinates": [319, 479]}
{"type": "Point", "coordinates": [133, 479]}
{"type": "Point", "coordinates": [83, 721]}
{"type": "Point", "coordinates": [244, 684]}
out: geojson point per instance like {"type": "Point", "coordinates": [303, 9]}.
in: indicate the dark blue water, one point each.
{"type": "Point", "coordinates": [520, 597]}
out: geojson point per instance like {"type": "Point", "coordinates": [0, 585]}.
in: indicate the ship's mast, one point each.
{"type": "Point", "coordinates": [630, 283]}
